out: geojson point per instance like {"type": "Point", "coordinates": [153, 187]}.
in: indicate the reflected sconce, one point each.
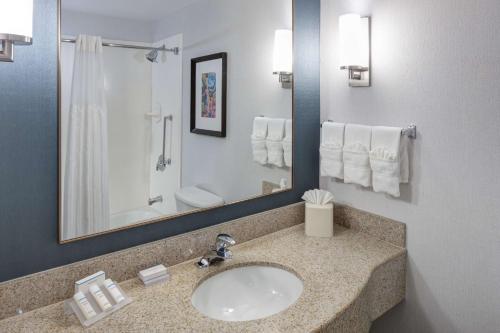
{"type": "Point", "coordinates": [354, 32]}
{"type": "Point", "coordinates": [16, 26]}
{"type": "Point", "coordinates": [283, 57]}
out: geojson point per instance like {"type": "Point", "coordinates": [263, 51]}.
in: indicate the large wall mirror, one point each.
{"type": "Point", "coordinates": [168, 107]}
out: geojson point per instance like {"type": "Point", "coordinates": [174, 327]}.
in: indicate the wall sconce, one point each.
{"type": "Point", "coordinates": [283, 57]}
{"type": "Point", "coordinates": [354, 33]}
{"type": "Point", "coordinates": [16, 26]}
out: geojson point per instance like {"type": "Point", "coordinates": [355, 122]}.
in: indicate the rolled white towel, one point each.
{"type": "Point", "coordinates": [332, 141]}
{"type": "Point", "coordinates": [356, 150]}
{"type": "Point", "coordinates": [287, 143]}
{"type": "Point", "coordinates": [275, 133]}
{"type": "Point", "coordinates": [258, 139]}
{"type": "Point", "coordinates": [388, 159]}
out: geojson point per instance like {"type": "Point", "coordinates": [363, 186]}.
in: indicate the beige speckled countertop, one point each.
{"type": "Point", "coordinates": [348, 282]}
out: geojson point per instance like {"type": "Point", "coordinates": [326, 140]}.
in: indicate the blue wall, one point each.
{"type": "Point", "coordinates": [28, 152]}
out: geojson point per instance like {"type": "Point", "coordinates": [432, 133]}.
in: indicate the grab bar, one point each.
{"type": "Point", "coordinates": [162, 161]}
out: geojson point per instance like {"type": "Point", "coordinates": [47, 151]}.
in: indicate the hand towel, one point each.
{"type": "Point", "coordinates": [332, 142]}
{"type": "Point", "coordinates": [357, 143]}
{"type": "Point", "coordinates": [287, 143]}
{"type": "Point", "coordinates": [259, 134]}
{"type": "Point", "coordinates": [275, 133]}
{"type": "Point", "coordinates": [388, 159]}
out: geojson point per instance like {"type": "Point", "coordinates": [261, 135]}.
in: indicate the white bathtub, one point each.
{"type": "Point", "coordinates": [130, 217]}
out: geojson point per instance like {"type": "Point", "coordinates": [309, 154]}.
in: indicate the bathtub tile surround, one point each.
{"type": "Point", "coordinates": [348, 281]}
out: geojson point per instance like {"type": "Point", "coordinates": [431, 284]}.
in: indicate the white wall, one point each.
{"type": "Point", "coordinates": [435, 63]}
{"type": "Point", "coordinates": [74, 23]}
{"type": "Point", "coordinates": [244, 29]}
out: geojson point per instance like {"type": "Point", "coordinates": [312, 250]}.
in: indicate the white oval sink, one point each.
{"type": "Point", "coordinates": [247, 293]}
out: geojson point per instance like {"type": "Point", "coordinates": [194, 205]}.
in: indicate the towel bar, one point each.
{"type": "Point", "coordinates": [410, 131]}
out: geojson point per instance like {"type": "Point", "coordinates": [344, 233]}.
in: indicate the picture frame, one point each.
{"type": "Point", "coordinates": [208, 94]}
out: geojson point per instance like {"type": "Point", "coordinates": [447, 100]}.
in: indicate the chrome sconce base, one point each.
{"type": "Point", "coordinates": [285, 78]}
{"type": "Point", "coordinates": [355, 48]}
{"type": "Point", "coordinates": [358, 76]}
{"type": "Point", "coordinates": [7, 42]}
{"type": "Point", "coordinates": [6, 51]}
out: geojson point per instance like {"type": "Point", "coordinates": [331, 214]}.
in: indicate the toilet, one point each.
{"type": "Point", "coordinates": [193, 197]}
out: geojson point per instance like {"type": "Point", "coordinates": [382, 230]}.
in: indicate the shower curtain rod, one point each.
{"type": "Point", "coordinates": [175, 50]}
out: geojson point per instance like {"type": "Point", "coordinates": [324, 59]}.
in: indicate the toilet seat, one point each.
{"type": "Point", "coordinates": [196, 197]}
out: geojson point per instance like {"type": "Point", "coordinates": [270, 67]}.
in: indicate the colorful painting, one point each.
{"type": "Point", "coordinates": [208, 95]}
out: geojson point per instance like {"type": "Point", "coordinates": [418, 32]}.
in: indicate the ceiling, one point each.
{"type": "Point", "coordinates": [144, 10]}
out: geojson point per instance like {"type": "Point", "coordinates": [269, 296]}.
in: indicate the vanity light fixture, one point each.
{"type": "Point", "coordinates": [354, 32]}
{"type": "Point", "coordinates": [16, 26]}
{"type": "Point", "coordinates": [283, 57]}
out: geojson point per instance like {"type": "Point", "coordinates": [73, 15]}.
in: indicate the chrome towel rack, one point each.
{"type": "Point", "coordinates": [410, 131]}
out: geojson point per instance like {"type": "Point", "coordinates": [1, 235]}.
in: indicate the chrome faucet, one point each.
{"type": "Point", "coordinates": [154, 200]}
{"type": "Point", "coordinates": [218, 253]}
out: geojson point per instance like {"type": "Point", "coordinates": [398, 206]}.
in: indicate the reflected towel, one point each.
{"type": "Point", "coordinates": [287, 143]}
{"type": "Point", "coordinates": [275, 133]}
{"type": "Point", "coordinates": [258, 139]}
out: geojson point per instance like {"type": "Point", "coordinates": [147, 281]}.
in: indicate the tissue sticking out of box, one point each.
{"type": "Point", "coordinates": [318, 197]}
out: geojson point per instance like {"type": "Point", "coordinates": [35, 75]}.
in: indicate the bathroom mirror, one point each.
{"type": "Point", "coordinates": [168, 107]}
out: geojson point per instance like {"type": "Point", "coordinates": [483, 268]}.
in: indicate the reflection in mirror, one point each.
{"type": "Point", "coordinates": [170, 106]}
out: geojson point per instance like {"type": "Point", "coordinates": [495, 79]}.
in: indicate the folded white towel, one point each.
{"type": "Point", "coordinates": [287, 143]}
{"type": "Point", "coordinates": [275, 133]}
{"type": "Point", "coordinates": [259, 134]}
{"type": "Point", "coordinates": [275, 129]}
{"type": "Point", "coordinates": [388, 159]}
{"type": "Point", "coordinates": [332, 141]}
{"type": "Point", "coordinates": [260, 127]}
{"type": "Point", "coordinates": [357, 143]}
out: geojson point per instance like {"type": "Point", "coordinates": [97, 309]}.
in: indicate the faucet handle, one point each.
{"type": "Point", "coordinates": [223, 241]}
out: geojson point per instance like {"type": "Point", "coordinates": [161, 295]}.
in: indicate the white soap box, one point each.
{"type": "Point", "coordinates": [319, 220]}
{"type": "Point", "coordinates": [153, 275]}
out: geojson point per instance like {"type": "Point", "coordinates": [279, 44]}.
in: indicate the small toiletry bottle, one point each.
{"type": "Point", "coordinates": [84, 305]}
{"type": "Point", "coordinates": [113, 290]}
{"type": "Point", "coordinates": [99, 297]}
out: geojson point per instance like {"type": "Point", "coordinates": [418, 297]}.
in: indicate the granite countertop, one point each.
{"type": "Point", "coordinates": [349, 281]}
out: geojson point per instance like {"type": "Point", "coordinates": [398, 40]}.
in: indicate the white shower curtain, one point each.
{"type": "Point", "coordinates": [86, 192]}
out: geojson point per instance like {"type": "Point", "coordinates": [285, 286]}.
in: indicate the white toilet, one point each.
{"type": "Point", "coordinates": [193, 197]}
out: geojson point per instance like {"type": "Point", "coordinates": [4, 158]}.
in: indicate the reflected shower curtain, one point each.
{"type": "Point", "coordinates": [86, 192]}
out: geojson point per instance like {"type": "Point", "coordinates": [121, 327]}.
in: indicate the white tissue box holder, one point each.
{"type": "Point", "coordinates": [319, 220]}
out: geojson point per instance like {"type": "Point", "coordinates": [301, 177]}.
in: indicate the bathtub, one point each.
{"type": "Point", "coordinates": [133, 216]}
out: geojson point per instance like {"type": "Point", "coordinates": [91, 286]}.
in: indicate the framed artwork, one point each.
{"type": "Point", "coordinates": [208, 94]}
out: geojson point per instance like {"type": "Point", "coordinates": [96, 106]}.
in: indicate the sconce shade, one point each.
{"type": "Point", "coordinates": [353, 43]}
{"type": "Point", "coordinates": [16, 21]}
{"type": "Point", "coordinates": [283, 51]}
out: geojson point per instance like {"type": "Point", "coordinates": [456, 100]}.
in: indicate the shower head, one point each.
{"type": "Point", "coordinates": [152, 55]}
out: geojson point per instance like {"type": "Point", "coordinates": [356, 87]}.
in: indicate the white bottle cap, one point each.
{"type": "Point", "coordinates": [94, 288]}
{"type": "Point", "coordinates": [108, 282]}
{"type": "Point", "coordinates": [78, 296]}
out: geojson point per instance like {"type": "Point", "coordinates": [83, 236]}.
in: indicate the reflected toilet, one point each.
{"type": "Point", "coordinates": [192, 198]}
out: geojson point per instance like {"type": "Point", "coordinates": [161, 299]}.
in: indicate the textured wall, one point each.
{"type": "Point", "coordinates": [28, 150]}
{"type": "Point", "coordinates": [435, 63]}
